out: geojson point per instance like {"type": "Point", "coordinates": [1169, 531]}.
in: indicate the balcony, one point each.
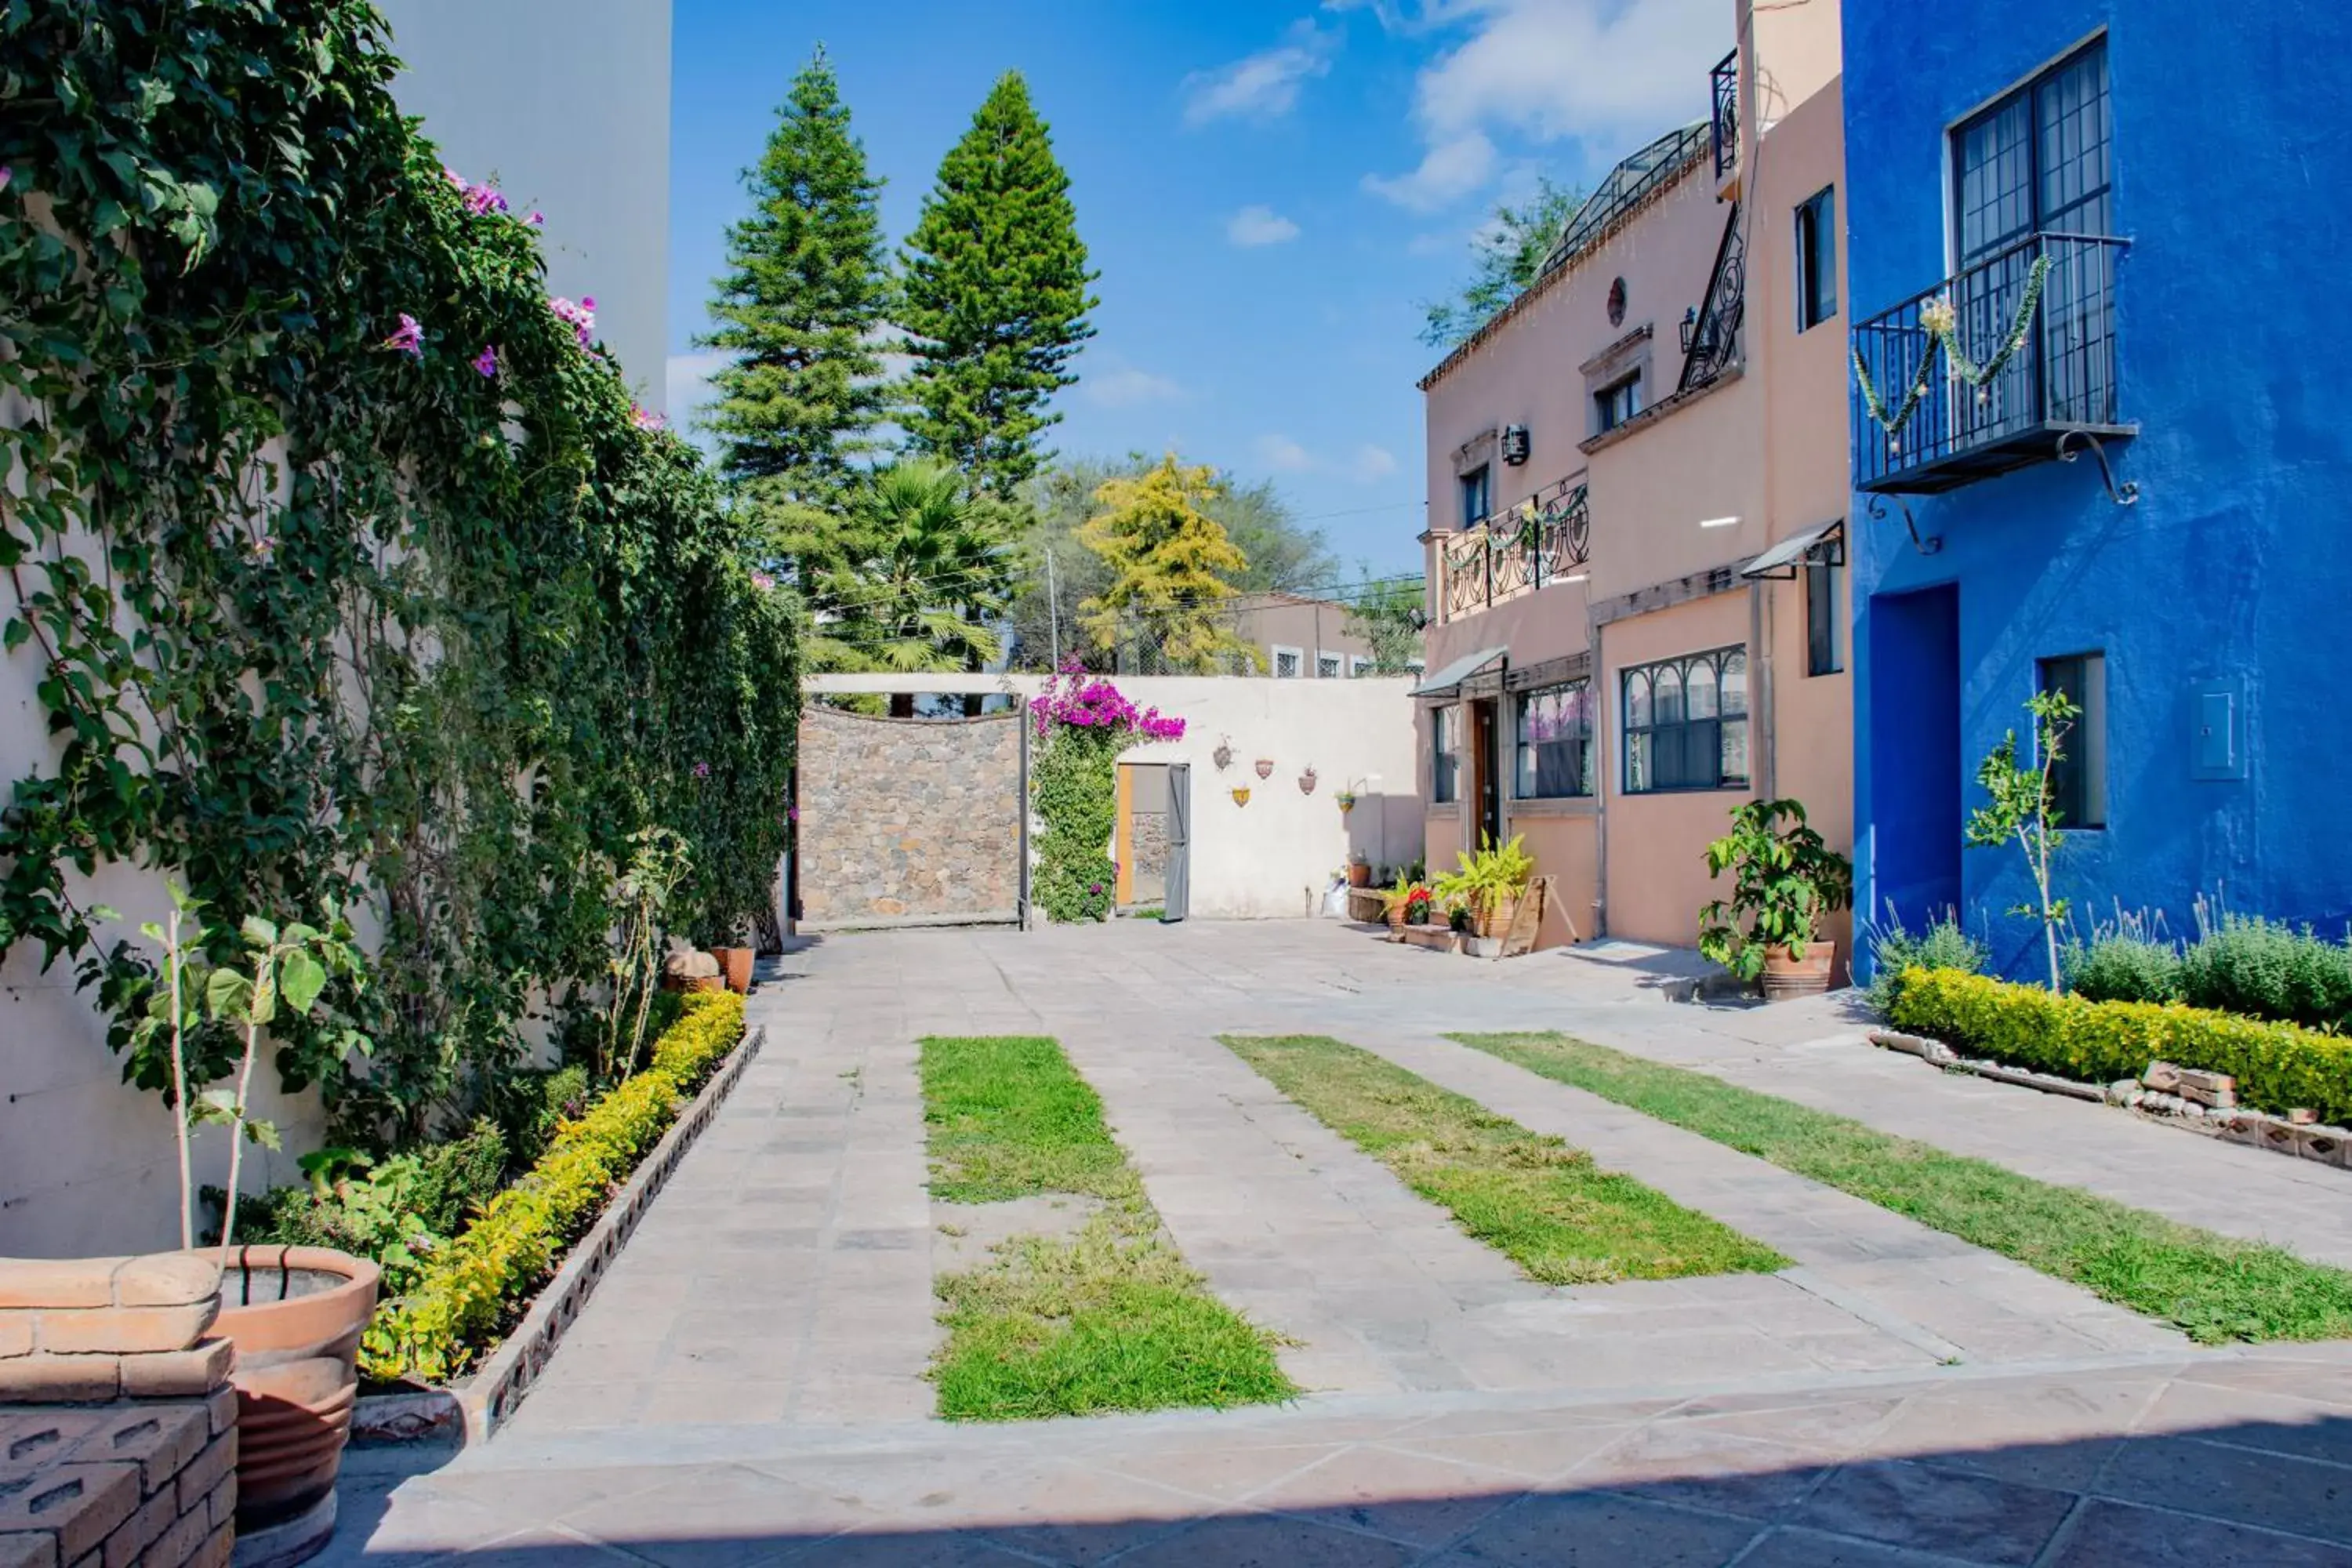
{"type": "Point", "coordinates": [2059, 374]}
{"type": "Point", "coordinates": [1544, 540]}
{"type": "Point", "coordinates": [1724, 81]}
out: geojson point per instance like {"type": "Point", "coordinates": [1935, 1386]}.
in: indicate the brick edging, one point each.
{"type": "Point", "coordinates": [2301, 1139]}
{"type": "Point", "coordinates": [474, 1408]}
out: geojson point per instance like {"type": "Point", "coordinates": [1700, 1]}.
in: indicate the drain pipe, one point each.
{"type": "Point", "coordinates": [1761, 715]}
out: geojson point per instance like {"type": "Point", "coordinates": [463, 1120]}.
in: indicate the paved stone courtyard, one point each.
{"type": "Point", "coordinates": [747, 1385]}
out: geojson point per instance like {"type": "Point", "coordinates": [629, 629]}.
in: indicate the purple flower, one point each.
{"type": "Point", "coordinates": [409, 340]}
{"type": "Point", "coordinates": [791, 814]}
{"type": "Point", "coordinates": [580, 317]}
{"type": "Point", "coordinates": [1096, 889]}
{"type": "Point", "coordinates": [454, 177]}
{"type": "Point", "coordinates": [644, 418]}
{"type": "Point", "coordinates": [762, 581]}
{"type": "Point", "coordinates": [487, 362]}
{"type": "Point", "coordinates": [5, 175]}
{"type": "Point", "coordinates": [537, 218]}
{"type": "Point", "coordinates": [702, 769]}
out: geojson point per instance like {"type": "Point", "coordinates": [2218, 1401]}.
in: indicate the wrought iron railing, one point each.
{"type": "Point", "coordinates": [1724, 79]}
{"type": "Point", "coordinates": [1541, 541]}
{"type": "Point", "coordinates": [2059, 374]}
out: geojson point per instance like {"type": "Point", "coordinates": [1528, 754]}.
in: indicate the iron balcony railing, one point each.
{"type": "Point", "coordinates": [1724, 79]}
{"type": "Point", "coordinates": [1544, 540]}
{"type": "Point", "coordinates": [2059, 374]}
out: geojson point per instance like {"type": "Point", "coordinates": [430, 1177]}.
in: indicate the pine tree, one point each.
{"type": "Point", "coordinates": [807, 289]}
{"type": "Point", "coordinates": [1172, 567]}
{"type": "Point", "coordinates": [995, 296]}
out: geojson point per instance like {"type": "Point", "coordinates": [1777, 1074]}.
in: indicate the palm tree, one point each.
{"type": "Point", "coordinates": [911, 581]}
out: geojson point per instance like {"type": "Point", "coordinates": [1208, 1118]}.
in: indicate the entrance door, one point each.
{"type": "Point", "coordinates": [1915, 753]}
{"type": "Point", "coordinates": [1142, 847]}
{"type": "Point", "coordinates": [1489, 827]}
{"type": "Point", "coordinates": [1176, 879]}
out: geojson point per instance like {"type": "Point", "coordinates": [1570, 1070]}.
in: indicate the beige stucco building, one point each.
{"type": "Point", "coordinates": [1637, 487]}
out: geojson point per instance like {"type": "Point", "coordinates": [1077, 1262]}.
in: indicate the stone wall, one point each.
{"type": "Point", "coordinates": [904, 821]}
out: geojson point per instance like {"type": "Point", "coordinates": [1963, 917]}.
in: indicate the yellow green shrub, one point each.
{"type": "Point", "coordinates": [2279, 1066]}
{"type": "Point", "coordinates": [467, 1294]}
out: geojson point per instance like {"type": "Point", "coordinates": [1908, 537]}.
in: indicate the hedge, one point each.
{"type": "Point", "coordinates": [467, 1294]}
{"type": "Point", "coordinates": [2278, 1067]}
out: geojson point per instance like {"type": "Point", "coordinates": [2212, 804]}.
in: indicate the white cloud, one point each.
{"type": "Point", "coordinates": [1373, 462]}
{"type": "Point", "coordinates": [1126, 387]}
{"type": "Point", "coordinates": [1255, 226]}
{"type": "Point", "coordinates": [1263, 85]}
{"type": "Point", "coordinates": [1597, 70]}
{"type": "Point", "coordinates": [1448, 171]}
{"type": "Point", "coordinates": [1285, 456]}
{"type": "Point", "coordinates": [687, 385]}
{"type": "Point", "coordinates": [1367, 464]}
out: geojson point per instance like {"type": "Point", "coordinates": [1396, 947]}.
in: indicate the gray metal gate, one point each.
{"type": "Point", "coordinates": [1180, 842]}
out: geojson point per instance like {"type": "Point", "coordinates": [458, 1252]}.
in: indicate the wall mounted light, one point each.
{"type": "Point", "coordinates": [1576, 577]}
{"type": "Point", "coordinates": [1690, 328]}
{"type": "Point", "coordinates": [1719, 522]}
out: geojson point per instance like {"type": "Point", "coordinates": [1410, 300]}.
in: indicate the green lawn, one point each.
{"type": "Point", "coordinates": [1540, 1203]}
{"type": "Point", "coordinates": [1109, 1318]}
{"type": "Point", "coordinates": [2213, 1287]}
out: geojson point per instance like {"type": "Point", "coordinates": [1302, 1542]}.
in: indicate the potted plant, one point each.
{"type": "Point", "coordinates": [1418, 900]}
{"type": "Point", "coordinates": [1360, 870]}
{"type": "Point", "coordinates": [1396, 895]}
{"type": "Point", "coordinates": [1347, 799]}
{"type": "Point", "coordinates": [1785, 880]}
{"type": "Point", "coordinates": [1307, 781]}
{"type": "Point", "coordinates": [1489, 885]}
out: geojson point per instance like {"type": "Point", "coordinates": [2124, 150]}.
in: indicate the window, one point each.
{"type": "Point", "coordinates": [2078, 785]}
{"type": "Point", "coordinates": [1616, 403]}
{"type": "Point", "coordinates": [1473, 495]}
{"type": "Point", "coordinates": [1360, 664]}
{"type": "Point", "coordinates": [1817, 259]}
{"type": "Point", "coordinates": [1445, 746]}
{"type": "Point", "coordinates": [1824, 593]}
{"type": "Point", "coordinates": [1327, 667]}
{"type": "Point", "coordinates": [1289, 662]}
{"type": "Point", "coordinates": [2037, 160]}
{"type": "Point", "coordinates": [1555, 742]}
{"type": "Point", "coordinates": [1686, 722]}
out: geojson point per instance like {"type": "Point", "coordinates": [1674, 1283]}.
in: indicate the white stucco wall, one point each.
{"type": "Point", "coordinates": [565, 103]}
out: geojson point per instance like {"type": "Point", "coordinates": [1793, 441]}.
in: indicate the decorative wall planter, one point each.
{"type": "Point", "coordinates": [295, 1314]}
{"type": "Point", "coordinates": [1223, 755]}
{"type": "Point", "coordinates": [1307, 784]}
{"type": "Point", "coordinates": [1241, 795]}
{"type": "Point", "coordinates": [1347, 802]}
{"type": "Point", "coordinates": [1265, 767]}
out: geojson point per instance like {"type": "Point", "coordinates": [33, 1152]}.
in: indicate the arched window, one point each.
{"type": "Point", "coordinates": [1686, 722]}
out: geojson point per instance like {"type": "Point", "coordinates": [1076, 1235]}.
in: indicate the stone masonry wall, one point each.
{"type": "Point", "coordinates": [907, 820]}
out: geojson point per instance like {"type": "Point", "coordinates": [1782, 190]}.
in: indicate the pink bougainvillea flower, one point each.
{"type": "Point", "coordinates": [762, 581]}
{"type": "Point", "coordinates": [409, 340]}
{"type": "Point", "coordinates": [644, 418]}
{"type": "Point", "coordinates": [791, 814]}
{"type": "Point", "coordinates": [1075, 698]}
{"type": "Point", "coordinates": [702, 769]}
{"type": "Point", "coordinates": [487, 362]}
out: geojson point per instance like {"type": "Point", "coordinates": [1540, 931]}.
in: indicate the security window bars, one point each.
{"type": "Point", "coordinates": [1555, 742]}
{"type": "Point", "coordinates": [1816, 259]}
{"type": "Point", "coordinates": [1824, 593]}
{"type": "Point", "coordinates": [1686, 722]}
{"type": "Point", "coordinates": [1328, 667]}
{"type": "Point", "coordinates": [1288, 663]}
{"type": "Point", "coordinates": [2078, 785]}
{"type": "Point", "coordinates": [1445, 748]}
{"type": "Point", "coordinates": [1360, 664]}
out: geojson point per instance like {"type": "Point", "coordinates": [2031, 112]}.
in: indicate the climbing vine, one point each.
{"type": "Point", "coordinates": [337, 555]}
{"type": "Point", "coordinates": [1940, 322]}
{"type": "Point", "coordinates": [1083, 724]}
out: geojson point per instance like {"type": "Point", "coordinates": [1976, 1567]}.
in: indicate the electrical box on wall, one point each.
{"type": "Point", "coordinates": [2217, 728]}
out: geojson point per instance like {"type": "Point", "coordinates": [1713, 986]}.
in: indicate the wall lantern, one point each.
{"type": "Point", "coordinates": [1516, 445]}
{"type": "Point", "coordinates": [1690, 328]}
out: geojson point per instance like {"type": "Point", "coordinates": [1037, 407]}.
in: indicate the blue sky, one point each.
{"type": "Point", "coordinates": [1269, 188]}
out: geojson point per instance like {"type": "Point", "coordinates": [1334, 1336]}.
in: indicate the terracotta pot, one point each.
{"type": "Point", "coordinates": [1494, 919]}
{"type": "Point", "coordinates": [735, 966]}
{"type": "Point", "coordinates": [1359, 874]}
{"type": "Point", "coordinates": [295, 1315]}
{"type": "Point", "coordinates": [1786, 976]}
{"type": "Point", "coordinates": [1395, 915]}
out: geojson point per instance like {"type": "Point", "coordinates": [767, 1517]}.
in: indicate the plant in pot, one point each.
{"type": "Point", "coordinates": [294, 1314]}
{"type": "Point", "coordinates": [1419, 899]}
{"type": "Point", "coordinates": [1398, 894]}
{"type": "Point", "coordinates": [1360, 871]}
{"type": "Point", "coordinates": [1489, 885]}
{"type": "Point", "coordinates": [1786, 880]}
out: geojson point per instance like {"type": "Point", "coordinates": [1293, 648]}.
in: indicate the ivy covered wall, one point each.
{"type": "Point", "coordinates": [338, 564]}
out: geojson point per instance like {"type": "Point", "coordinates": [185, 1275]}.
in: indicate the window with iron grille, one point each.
{"type": "Point", "coordinates": [1816, 259]}
{"type": "Point", "coordinates": [1360, 664]}
{"type": "Point", "coordinates": [1555, 742]}
{"type": "Point", "coordinates": [1445, 750]}
{"type": "Point", "coordinates": [1289, 662]}
{"type": "Point", "coordinates": [1686, 722]}
{"type": "Point", "coordinates": [1328, 667]}
{"type": "Point", "coordinates": [1824, 594]}
{"type": "Point", "coordinates": [2078, 782]}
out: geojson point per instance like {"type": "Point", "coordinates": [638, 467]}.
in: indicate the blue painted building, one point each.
{"type": "Point", "coordinates": [2173, 177]}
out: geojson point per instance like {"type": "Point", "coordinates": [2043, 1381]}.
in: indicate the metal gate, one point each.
{"type": "Point", "coordinates": [1180, 842]}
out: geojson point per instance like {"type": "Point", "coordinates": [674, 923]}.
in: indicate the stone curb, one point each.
{"type": "Point", "coordinates": [468, 1412]}
{"type": "Point", "coordinates": [2300, 1139]}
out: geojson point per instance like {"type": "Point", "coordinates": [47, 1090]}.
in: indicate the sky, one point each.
{"type": "Point", "coordinates": [1271, 190]}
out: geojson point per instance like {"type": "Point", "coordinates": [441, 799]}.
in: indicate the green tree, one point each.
{"type": "Point", "coordinates": [806, 291]}
{"type": "Point", "coordinates": [1507, 256]}
{"type": "Point", "coordinates": [2019, 808]}
{"type": "Point", "coordinates": [1170, 567]}
{"type": "Point", "coordinates": [910, 581]}
{"type": "Point", "coordinates": [995, 296]}
{"type": "Point", "coordinates": [1387, 613]}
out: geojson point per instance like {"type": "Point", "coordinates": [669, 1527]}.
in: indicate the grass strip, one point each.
{"type": "Point", "coordinates": [2213, 1287]}
{"type": "Point", "coordinates": [1540, 1203]}
{"type": "Point", "coordinates": [1109, 1318]}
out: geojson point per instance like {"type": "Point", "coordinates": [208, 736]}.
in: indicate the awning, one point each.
{"type": "Point", "coordinates": [1448, 680]}
{"type": "Point", "coordinates": [1825, 543]}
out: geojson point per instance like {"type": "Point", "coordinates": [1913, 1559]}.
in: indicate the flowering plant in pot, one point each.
{"type": "Point", "coordinates": [1489, 885]}
{"type": "Point", "coordinates": [1786, 880]}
